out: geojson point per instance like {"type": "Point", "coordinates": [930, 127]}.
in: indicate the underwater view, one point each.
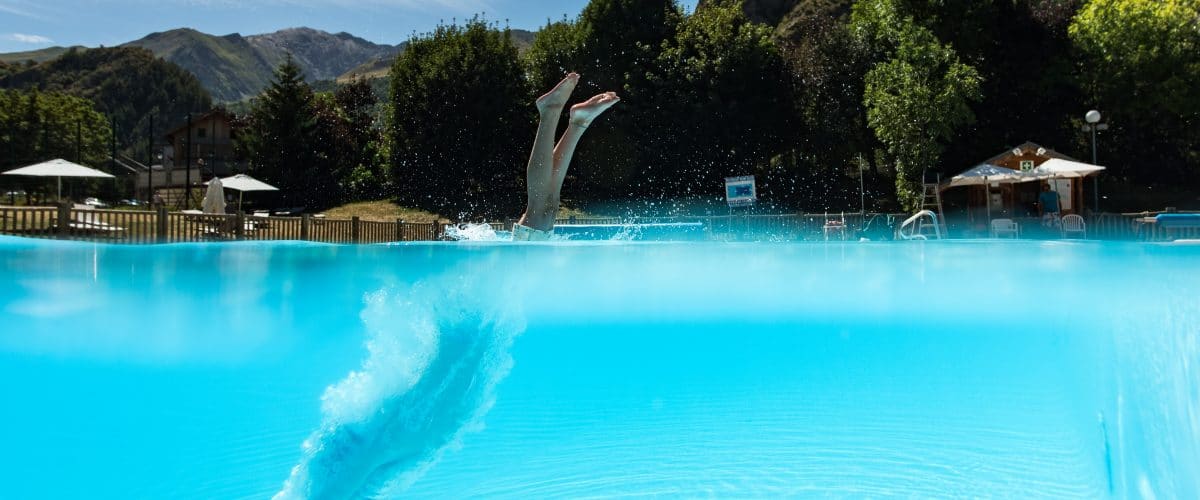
{"type": "Point", "coordinates": [435, 370]}
{"type": "Point", "coordinates": [442, 249]}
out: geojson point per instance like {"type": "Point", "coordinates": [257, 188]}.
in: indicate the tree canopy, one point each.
{"type": "Point", "coordinates": [1141, 65]}
{"type": "Point", "coordinates": [460, 123]}
{"type": "Point", "coordinates": [917, 97]}
{"type": "Point", "coordinates": [38, 126]}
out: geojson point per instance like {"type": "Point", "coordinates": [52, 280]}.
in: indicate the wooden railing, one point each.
{"type": "Point", "coordinates": [161, 226]}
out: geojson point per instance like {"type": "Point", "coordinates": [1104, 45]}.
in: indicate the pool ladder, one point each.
{"type": "Point", "coordinates": [915, 227]}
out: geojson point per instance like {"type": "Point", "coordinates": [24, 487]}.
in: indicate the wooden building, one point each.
{"type": "Point", "coordinates": [1020, 199]}
{"type": "Point", "coordinates": [210, 139]}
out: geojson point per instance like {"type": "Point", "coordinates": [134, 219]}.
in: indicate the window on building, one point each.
{"type": "Point", "coordinates": [202, 132]}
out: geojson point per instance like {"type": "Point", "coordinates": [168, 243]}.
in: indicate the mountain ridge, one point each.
{"type": "Point", "coordinates": [234, 67]}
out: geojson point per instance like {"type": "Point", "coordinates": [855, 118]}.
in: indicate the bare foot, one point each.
{"type": "Point", "coordinates": [583, 113]}
{"type": "Point", "coordinates": [556, 98]}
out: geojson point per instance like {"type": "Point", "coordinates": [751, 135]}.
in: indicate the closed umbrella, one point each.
{"type": "Point", "coordinates": [214, 198]}
{"type": "Point", "coordinates": [59, 168]}
{"type": "Point", "coordinates": [242, 183]}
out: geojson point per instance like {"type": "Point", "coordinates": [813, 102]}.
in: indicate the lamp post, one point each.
{"type": "Point", "coordinates": [1093, 125]}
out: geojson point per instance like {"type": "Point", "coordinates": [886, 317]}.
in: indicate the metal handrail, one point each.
{"type": "Point", "coordinates": [913, 228]}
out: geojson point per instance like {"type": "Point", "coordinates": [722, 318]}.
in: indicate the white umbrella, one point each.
{"type": "Point", "coordinates": [214, 198]}
{"type": "Point", "coordinates": [1055, 168]}
{"type": "Point", "coordinates": [985, 174]}
{"type": "Point", "coordinates": [243, 183]}
{"type": "Point", "coordinates": [59, 168]}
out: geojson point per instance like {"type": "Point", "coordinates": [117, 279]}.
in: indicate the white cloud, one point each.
{"type": "Point", "coordinates": [18, 10]}
{"type": "Point", "coordinates": [23, 38]}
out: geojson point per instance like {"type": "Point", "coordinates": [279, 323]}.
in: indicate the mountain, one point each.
{"type": "Point", "coordinates": [37, 56]}
{"type": "Point", "coordinates": [126, 83]}
{"type": "Point", "coordinates": [235, 67]}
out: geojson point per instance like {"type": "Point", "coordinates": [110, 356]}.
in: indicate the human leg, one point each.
{"type": "Point", "coordinates": [539, 171]}
{"type": "Point", "coordinates": [548, 162]}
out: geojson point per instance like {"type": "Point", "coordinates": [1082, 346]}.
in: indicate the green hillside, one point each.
{"type": "Point", "coordinates": [126, 83]}
{"type": "Point", "coordinates": [228, 66]}
{"type": "Point", "coordinates": [40, 55]}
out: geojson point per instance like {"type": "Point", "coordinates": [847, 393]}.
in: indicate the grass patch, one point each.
{"type": "Point", "coordinates": [382, 211]}
{"type": "Point", "coordinates": [388, 211]}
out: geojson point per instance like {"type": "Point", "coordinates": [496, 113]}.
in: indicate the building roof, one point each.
{"type": "Point", "coordinates": [1026, 148]}
{"type": "Point", "coordinates": [216, 112]}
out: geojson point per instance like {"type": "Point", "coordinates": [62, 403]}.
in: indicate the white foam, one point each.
{"type": "Point", "coordinates": [474, 232]}
{"type": "Point", "coordinates": [435, 354]}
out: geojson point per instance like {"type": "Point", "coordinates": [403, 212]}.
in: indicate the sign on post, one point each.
{"type": "Point", "coordinates": [740, 191]}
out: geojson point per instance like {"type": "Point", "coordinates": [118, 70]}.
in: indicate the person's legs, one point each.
{"type": "Point", "coordinates": [548, 163]}
{"type": "Point", "coordinates": [539, 171]}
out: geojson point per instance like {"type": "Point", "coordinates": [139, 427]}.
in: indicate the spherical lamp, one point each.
{"type": "Point", "coordinates": [1092, 116]}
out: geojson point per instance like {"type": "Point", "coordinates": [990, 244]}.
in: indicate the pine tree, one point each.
{"type": "Point", "coordinates": [280, 139]}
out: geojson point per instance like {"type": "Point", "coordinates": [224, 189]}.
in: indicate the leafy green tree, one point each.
{"type": "Point", "coordinates": [830, 141]}
{"type": "Point", "coordinates": [281, 141]}
{"type": "Point", "coordinates": [722, 102]}
{"type": "Point", "coordinates": [917, 97]}
{"type": "Point", "coordinates": [359, 169]}
{"type": "Point", "coordinates": [461, 122]}
{"type": "Point", "coordinates": [1140, 67]}
{"type": "Point", "coordinates": [38, 126]}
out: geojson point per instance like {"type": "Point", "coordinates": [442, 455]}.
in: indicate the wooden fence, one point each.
{"type": "Point", "coordinates": [161, 226]}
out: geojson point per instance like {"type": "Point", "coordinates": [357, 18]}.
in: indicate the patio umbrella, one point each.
{"type": "Point", "coordinates": [1057, 168]}
{"type": "Point", "coordinates": [59, 168]}
{"type": "Point", "coordinates": [985, 174]}
{"type": "Point", "coordinates": [214, 198]}
{"type": "Point", "coordinates": [242, 183]}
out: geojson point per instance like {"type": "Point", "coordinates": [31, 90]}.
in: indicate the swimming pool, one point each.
{"type": "Point", "coordinates": [1007, 369]}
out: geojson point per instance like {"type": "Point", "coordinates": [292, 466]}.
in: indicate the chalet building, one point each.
{"type": "Point", "coordinates": [1020, 199]}
{"type": "Point", "coordinates": [197, 151]}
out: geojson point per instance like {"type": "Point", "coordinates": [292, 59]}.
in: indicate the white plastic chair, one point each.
{"type": "Point", "coordinates": [1074, 224]}
{"type": "Point", "coordinates": [1005, 228]}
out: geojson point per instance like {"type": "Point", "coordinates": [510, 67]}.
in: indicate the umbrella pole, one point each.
{"type": "Point", "coordinates": [240, 193]}
{"type": "Point", "coordinates": [987, 200]}
{"type": "Point", "coordinates": [59, 188]}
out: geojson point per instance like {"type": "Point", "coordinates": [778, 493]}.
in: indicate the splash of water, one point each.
{"type": "Point", "coordinates": [476, 232]}
{"type": "Point", "coordinates": [435, 355]}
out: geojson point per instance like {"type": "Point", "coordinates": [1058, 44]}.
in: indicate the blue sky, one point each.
{"type": "Point", "coordinates": [34, 24]}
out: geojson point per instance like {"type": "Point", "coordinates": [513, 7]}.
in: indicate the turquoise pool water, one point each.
{"type": "Point", "coordinates": [445, 370]}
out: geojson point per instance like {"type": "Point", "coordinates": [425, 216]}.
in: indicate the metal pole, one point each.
{"type": "Point", "coordinates": [187, 167]}
{"type": "Point", "coordinates": [862, 192]}
{"type": "Point", "coordinates": [1096, 180]}
{"type": "Point", "coordinates": [150, 161]}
